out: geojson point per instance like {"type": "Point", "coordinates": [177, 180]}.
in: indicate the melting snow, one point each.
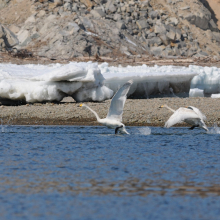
{"type": "Point", "coordinates": [92, 82]}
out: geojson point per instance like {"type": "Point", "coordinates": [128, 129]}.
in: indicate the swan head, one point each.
{"type": "Point", "coordinates": [123, 130]}
{"type": "Point", "coordinates": [163, 106]}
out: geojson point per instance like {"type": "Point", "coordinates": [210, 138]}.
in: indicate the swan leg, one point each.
{"type": "Point", "coordinates": [194, 126]}
{"type": "Point", "coordinates": [116, 129]}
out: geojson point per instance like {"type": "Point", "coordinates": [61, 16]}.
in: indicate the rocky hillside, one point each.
{"type": "Point", "coordinates": [67, 29]}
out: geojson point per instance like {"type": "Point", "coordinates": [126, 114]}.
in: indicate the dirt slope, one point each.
{"type": "Point", "coordinates": [215, 5]}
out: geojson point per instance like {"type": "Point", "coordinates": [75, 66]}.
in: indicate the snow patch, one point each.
{"type": "Point", "coordinates": [208, 81]}
{"type": "Point", "coordinates": [153, 81]}
{"type": "Point", "coordinates": [87, 81]}
{"type": "Point", "coordinates": [38, 83]}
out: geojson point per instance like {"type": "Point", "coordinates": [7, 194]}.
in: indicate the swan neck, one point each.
{"type": "Point", "coordinates": [169, 108]}
{"type": "Point", "coordinates": [96, 115]}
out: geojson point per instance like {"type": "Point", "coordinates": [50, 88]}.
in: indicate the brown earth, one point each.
{"type": "Point", "coordinates": [124, 61]}
{"type": "Point", "coordinates": [215, 5]}
{"type": "Point", "coordinates": [15, 13]}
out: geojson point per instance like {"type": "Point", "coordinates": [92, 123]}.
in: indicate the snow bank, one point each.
{"type": "Point", "coordinates": [92, 82]}
{"type": "Point", "coordinates": [153, 81]}
{"type": "Point", "coordinates": [206, 83]}
{"type": "Point", "coordinates": [37, 83]}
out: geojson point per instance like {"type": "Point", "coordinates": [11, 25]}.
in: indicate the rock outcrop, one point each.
{"type": "Point", "coordinates": [65, 29]}
{"type": "Point", "coordinates": [8, 39]}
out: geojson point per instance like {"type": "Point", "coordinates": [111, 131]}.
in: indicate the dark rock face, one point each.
{"type": "Point", "coordinates": [7, 39]}
{"type": "Point", "coordinates": [66, 29]}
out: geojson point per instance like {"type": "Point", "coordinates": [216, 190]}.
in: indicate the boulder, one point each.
{"type": "Point", "coordinates": [87, 3]}
{"type": "Point", "coordinates": [67, 6]}
{"type": "Point", "coordinates": [155, 41]}
{"type": "Point", "coordinates": [58, 2]}
{"type": "Point", "coordinates": [24, 37]}
{"type": "Point", "coordinates": [117, 17]}
{"type": "Point", "coordinates": [173, 20]}
{"type": "Point", "coordinates": [142, 24]}
{"type": "Point", "coordinates": [154, 14]}
{"type": "Point", "coordinates": [110, 6]}
{"type": "Point", "coordinates": [120, 25]}
{"type": "Point", "coordinates": [160, 29]}
{"type": "Point", "coordinates": [9, 38]}
{"type": "Point", "coordinates": [2, 34]}
{"type": "Point", "coordinates": [202, 21]}
{"type": "Point", "coordinates": [143, 14]}
{"type": "Point", "coordinates": [98, 13]}
{"type": "Point", "coordinates": [156, 51]}
{"type": "Point", "coordinates": [32, 18]}
{"type": "Point", "coordinates": [171, 35]}
{"type": "Point", "coordinates": [216, 36]}
{"type": "Point", "coordinates": [201, 54]}
{"type": "Point", "coordinates": [165, 40]}
{"type": "Point", "coordinates": [14, 28]}
{"type": "Point", "coordinates": [213, 26]}
{"type": "Point", "coordinates": [151, 35]}
{"type": "Point", "coordinates": [73, 28]}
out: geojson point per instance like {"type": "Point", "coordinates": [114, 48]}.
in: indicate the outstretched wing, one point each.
{"type": "Point", "coordinates": [180, 115]}
{"type": "Point", "coordinates": [117, 104]}
{"type": "Point", "coordinates": [197, 111]}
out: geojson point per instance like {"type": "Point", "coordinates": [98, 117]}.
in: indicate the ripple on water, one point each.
{"type": "Point", "coordinates": [90, 173]}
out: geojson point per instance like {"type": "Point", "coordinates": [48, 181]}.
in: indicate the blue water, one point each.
{"type": "Point", "coordinates": [73, 172]}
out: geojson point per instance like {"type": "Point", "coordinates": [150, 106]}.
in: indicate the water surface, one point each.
{"type": "Point", "coordinates": [73, 172]}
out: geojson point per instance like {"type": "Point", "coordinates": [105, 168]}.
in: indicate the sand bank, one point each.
{"type": "Point", "coordinates": [137, 112]}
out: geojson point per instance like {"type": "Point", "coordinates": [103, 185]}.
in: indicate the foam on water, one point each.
{"type": "Point", "coordinates": [214, 130]}
{"type": "Point", "coordinates": [144, 130]}
{"type": "Point", "coordinates": [5, 125]}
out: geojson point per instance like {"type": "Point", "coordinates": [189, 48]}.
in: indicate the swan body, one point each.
{"type": "Point", "coordinates": [191, 115]}
{"type": "Point", "coordinates": [114, 116]}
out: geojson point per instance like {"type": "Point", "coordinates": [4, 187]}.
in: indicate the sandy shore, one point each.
{"type": "Point", "coordinates": [137, 112]}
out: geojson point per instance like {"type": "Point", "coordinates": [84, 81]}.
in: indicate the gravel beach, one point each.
{"type": "Point", "coordinates": [137, 112]}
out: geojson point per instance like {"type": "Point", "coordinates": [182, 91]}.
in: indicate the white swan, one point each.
{"type": "Point", "coordinates": [114, 117]}
{"type": "Point", "coordinates": [191, 115]}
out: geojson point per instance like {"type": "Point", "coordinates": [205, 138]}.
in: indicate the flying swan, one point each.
{"type": "Point", "coordinates": [114, 117]}
{"type": "Point", "coordinates": [191, 115]}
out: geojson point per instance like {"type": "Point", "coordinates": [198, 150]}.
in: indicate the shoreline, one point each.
{"type": "Point", "coordinates": [137, 112]}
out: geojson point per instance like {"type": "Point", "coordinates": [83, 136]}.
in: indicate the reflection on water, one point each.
{"type": "Point", "coordinates": [128, 187]}
{"type": "Point", "coordinates": [76, 172]}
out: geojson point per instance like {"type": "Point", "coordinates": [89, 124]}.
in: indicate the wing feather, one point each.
{"type": "Point", "coordinates": [200, 114]}
{"type": "Point", "coordinates": [117, 103]}
{"type": "Point", "coordinates": [180, 115]}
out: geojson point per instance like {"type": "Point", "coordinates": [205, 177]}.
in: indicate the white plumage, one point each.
{"type": "Point", "coordinates": [114, 116]}
{"type": "Point", "coordinates": [191, 115]}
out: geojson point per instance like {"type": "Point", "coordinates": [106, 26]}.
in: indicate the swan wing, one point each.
{"type": "Point", "coordinates": [180, 115]}
{"type": "Point", "coordinates": [199, 113]}
{"type": "Point", "coordinates": [117, 103]}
